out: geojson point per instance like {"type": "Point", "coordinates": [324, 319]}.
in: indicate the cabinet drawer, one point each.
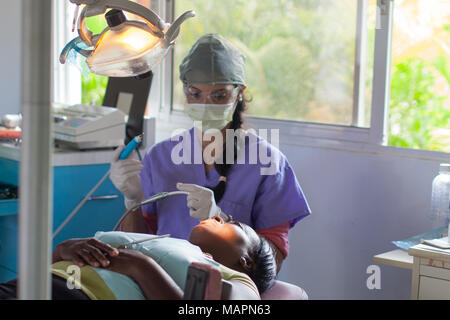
{"type": "Point", "coordinates": [6, 275]}
{"type": "Point", "coordinates": [71, 185]}
{"type": "Point", "coordinates": [8, 242]}
{"type": "Point", "coordinates": [8, 207]}
{"type": "Point", "coordinates": [433, 288]}
{"type": "Point", "coordinates": [435, 272]}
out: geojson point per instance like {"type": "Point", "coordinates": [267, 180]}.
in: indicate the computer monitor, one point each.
{"type": "Point", "coordinates": [129, 95]}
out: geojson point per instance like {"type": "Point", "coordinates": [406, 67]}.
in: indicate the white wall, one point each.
{"type": "Point", "coordinates": [360, 203]}
{"type": "Point", "coordinates": [10, 57]}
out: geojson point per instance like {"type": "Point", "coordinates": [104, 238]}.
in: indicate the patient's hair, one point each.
{"type": "Point", "coordinates": [265, 270]}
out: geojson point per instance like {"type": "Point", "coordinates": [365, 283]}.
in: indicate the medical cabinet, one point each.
{"type": "Point", "coordinates": [74, 174]}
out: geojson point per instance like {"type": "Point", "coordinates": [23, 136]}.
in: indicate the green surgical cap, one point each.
{"type": "Point", "coordinates": [213, 60]}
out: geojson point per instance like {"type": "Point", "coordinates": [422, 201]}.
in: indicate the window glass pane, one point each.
{"type": "Point", "coordinates": [93, 86]}
{"type": "Point", "coordinates": [419, 115]}
{"type": "Point", "coordinates": [300, 53]}
{"type": "Point", "coordinates": [371, 29]}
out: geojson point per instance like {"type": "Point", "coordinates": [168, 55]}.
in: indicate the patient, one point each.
{"type": "Point", "coordinates": [157, 269]}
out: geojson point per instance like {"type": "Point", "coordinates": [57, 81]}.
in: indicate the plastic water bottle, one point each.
{"type": "Point", "coordinates": [440, 194]}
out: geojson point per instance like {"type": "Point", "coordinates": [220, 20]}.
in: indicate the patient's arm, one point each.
{"type": "Point", "coordinates": [154, 281]}
{"type": "Point", "coordinates": [84, 251]}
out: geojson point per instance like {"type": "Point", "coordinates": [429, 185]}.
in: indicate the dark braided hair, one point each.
{"type": "Point", "coordinates": [265, 270]}
{"type": "Point", "coordinates": [224, 168]}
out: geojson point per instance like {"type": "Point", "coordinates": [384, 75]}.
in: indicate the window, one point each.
{"type": "Point", "coordinates": [301, 55]}
{"type": "Point", "coordinates": [66, 78]}
{"type": "Point", "coordinates": [93, 86]}
{"type": "Point", "coordinates": [353, 70]}
{"type": "Point", "coordinates": [419, 114]}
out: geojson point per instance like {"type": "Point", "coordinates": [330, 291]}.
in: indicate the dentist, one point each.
{"type": "Point", "coordinates": [213, 82]}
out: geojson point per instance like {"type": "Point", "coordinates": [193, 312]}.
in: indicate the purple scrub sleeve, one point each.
{"type": "Point", "coordinates": [279, 198]}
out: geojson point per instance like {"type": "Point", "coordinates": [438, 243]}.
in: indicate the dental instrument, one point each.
{"type": "Point", "coordinates": [131, 146]}
{"type": "Point", "coordinates": [124, 246]}
{"type": "Point", "coordinates": [156, 197]}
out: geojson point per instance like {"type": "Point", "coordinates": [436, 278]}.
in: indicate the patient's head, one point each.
{"type": "Point", "coordinates": [237, 246]}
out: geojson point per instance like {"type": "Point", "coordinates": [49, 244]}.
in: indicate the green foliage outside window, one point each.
{"type": "Point", "coordinates": [300, 57]}
{"type": "Point", "coordinates": [418, 114]}
{"type": "Point", "coordinates": [93, 86]}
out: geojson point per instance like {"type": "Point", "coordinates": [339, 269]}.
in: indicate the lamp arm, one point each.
{"type": "Point", "coordinates": [156, 197]}
{"type": "Point", "coordinates": [86, 2]}
{"type": "Point", "coordinates": [174, 29]}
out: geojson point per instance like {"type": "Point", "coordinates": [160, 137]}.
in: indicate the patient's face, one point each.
{"type": "Point", "coordinates": [226, 242]}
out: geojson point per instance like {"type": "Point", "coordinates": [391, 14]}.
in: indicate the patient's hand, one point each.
{"type": "Point", "coordinates": [88, 251]}
{"type": "Point", "coordinates": [128, 262]}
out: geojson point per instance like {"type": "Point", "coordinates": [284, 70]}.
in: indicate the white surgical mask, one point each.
{"type": "Point", "coordinates": [211, 116]}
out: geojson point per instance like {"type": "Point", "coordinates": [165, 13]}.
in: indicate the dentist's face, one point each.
{"type": "Point", "coordinates": [230, 243]}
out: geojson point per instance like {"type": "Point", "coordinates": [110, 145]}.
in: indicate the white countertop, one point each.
{"type": "Point", "coordinates": [62, 157]}
{"type": "Point", "coordinates": [69, 157]}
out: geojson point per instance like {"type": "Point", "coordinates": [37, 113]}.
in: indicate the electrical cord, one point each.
{"type": "Point", "coordinates": [156, 197]}
{"type": "Point", "coordinates": [82, 202]}
{"type": "Point", "coordinates": [139, 154]}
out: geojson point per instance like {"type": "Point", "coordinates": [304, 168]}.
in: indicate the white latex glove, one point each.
{"type": "Point", "coordinates": [125, 177]}
{"type": "Point", "coordinates": [200, 201]}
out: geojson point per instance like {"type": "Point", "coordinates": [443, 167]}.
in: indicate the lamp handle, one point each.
{"type": "Point", "coordinates": [174, 29]}
{"type": "Point", "coordinates": [72, 45]}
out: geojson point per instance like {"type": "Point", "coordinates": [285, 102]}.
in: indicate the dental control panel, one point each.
{"type": "Point", "coordinates": [88, 127]}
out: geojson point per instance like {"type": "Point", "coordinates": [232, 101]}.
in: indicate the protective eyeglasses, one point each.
{"type": "Point", "coordinates": [220, 96]}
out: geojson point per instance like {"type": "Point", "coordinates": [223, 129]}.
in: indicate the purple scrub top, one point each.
{"type": "Point", "coordinates": [261, 201]}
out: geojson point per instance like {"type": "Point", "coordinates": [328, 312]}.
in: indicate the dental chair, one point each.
{"type": "Point", "coordinates": [204, 282]}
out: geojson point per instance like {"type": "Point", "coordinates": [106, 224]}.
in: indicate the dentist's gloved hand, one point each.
{"type": "Point", "coordinates": [200, 201]}
{"type": "Point", "coordinates": [125, 177]}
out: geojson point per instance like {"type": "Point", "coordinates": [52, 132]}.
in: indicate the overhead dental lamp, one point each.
{"type": "Point", "coordinates": [125, 48]}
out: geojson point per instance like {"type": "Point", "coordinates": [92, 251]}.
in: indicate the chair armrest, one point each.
{"type": "Point", "coordinates": [204, 282]}
{"type": "Point", "coordinates": [281, 290]}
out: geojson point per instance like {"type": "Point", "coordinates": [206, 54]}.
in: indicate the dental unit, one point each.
{"type": "Point", "coordinates": [125, 48]}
